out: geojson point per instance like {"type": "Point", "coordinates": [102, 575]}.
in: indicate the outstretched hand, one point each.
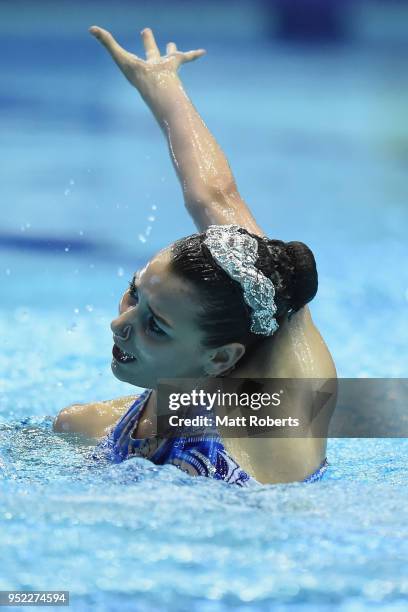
{"type": "Point", "coordinates": [140, 72]}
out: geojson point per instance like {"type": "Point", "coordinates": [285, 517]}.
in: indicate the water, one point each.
{"type": "Point", "coordinates": [154, 538]}
{"type": "Point", "coordinates": [86, 173]}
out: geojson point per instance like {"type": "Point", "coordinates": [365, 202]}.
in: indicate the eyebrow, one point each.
{"type": "Point", "coordinates": [157, 316]}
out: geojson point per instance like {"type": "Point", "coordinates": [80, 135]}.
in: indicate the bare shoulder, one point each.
{"type": "Point", "coordinates": [297, 350]}
{"type": "Point", "coordinates": [323, 365]}
{"type": "Point", "coordinates": [93, 419]}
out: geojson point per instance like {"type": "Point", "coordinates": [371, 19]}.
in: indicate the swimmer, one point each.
{"type": "Point", "coordinates": [189, 313]}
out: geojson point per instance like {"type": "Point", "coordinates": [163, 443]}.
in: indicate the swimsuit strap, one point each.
{"type": "Point", "coordinates": [127, 422]}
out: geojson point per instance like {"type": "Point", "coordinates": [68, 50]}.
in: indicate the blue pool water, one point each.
{"type": "Point", "coordinates": [318, 144]}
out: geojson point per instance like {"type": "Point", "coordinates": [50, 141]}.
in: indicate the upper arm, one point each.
{"type": "Point", "coordinates": [93, 419]}
{"type": "Point", "coordinates": [221, 207]}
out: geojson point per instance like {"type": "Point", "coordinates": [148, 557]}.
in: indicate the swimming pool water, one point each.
{"type": "Point", "coordinates": [143, 537]}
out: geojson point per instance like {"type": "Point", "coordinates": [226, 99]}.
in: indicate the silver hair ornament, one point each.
{"type": "Point", "coordinates": [236, 254]}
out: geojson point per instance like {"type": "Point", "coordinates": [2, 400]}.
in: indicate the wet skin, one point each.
{"type": "Point", "coordinates": [172, 350]}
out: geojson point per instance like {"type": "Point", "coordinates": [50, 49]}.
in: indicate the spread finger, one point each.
{"type": "Point", "coordinates": [152, 50]}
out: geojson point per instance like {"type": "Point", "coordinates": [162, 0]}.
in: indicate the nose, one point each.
{"type": "Point", "coordinates": [122, 332]}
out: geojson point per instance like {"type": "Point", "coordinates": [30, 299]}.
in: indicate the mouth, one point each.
{"type": "Point", "coordinates": [121, 356]}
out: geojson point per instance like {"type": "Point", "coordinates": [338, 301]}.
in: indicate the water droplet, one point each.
{"type": "Point", "coordinates": [154, 207]}
{"type": "Point", "coordinates": [67, 192]}
{"type": "Point", "coordinates": [142, 238]}
{"type": "Point", "coordinates": [151, 218]}
{"type": "Point", "coordinates": [89, 307]}
{"type": "Point", "coordinates": [8, 271]}
{"type": "Point", "coordinates": [76, 310]}
{"type": "Point", "coordinates": [66, 249]}
{"type": "Point", "coordinates": [91, 265]}
{"type": "Point", "coordinates": [81, 233]}
{"type": "Point", "coordinates": [72, 182]}
{"type": "Point", "coordinates": [148, 230]}
{"type": "Point", "coordinates": [59, 384]}
{"type": "Point", "coordinates": [120, 272]}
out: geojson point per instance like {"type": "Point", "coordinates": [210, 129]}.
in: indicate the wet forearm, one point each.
{"type": "Point", "coordinates": [198, 160]}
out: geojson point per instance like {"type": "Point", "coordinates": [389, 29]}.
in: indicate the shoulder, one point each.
{"type": "Point", "coordinates": [297, 350]}
{"type": "Point", "coordinates": [93, 419]}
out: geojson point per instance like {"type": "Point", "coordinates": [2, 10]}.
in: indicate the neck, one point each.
{"type": "Point", "coordinates": [268, 356]}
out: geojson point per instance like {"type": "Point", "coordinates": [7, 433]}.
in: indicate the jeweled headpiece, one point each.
{"type": "Point", "coordinates": [236, 253]}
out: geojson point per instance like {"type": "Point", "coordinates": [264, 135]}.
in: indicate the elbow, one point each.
{"type": "Point", "coordinates": [211, 197]}
{"type": "Point", "coordinates": [194, 200]}
{"type": "Point", "coordinates": [58, 424]}
{"type": "Point", "coordinates": [66, 420]}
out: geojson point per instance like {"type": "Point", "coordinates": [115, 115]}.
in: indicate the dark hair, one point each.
{"type": "Point", "coordinates": [225, 317]}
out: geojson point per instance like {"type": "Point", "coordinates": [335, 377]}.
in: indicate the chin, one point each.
{"type": "Point", "coordinates": [118, 373]}
{"type": "Point", "coordinates": [127, 376]}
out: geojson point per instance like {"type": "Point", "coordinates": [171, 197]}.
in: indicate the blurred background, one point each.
{"type": "Point", "coordinates": [307, 98]}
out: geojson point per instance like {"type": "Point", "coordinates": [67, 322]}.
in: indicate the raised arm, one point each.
{"type": "Point", "coordinates": [209, 189]}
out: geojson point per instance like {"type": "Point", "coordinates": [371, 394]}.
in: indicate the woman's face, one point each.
{"type": "Point", "coordinates": [156, 325]}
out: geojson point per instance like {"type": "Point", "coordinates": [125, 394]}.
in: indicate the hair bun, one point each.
{"type": "Point", "coordinates": [305, 279]}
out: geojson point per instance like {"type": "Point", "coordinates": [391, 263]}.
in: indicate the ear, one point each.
{"type": "Point", "coordinates": [224, 358]}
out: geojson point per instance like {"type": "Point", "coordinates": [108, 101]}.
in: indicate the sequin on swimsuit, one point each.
{"type": "Point", "coordinates": [197, 455]}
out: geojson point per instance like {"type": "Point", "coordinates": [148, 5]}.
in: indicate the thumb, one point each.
{"type": "Point", "coordinates": [190, 56]}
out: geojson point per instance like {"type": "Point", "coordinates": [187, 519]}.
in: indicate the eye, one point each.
{"type": "Point", "coordinates": [153, 327]}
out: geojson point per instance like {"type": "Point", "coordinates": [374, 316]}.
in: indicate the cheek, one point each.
{"type": "Point", "coordinates": [154, 351]}
{"type": "Point", "coordinates": [189, 351]}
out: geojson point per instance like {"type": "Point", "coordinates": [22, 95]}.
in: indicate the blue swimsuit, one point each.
{"type": "Point", "coordinates": [198, 455]}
